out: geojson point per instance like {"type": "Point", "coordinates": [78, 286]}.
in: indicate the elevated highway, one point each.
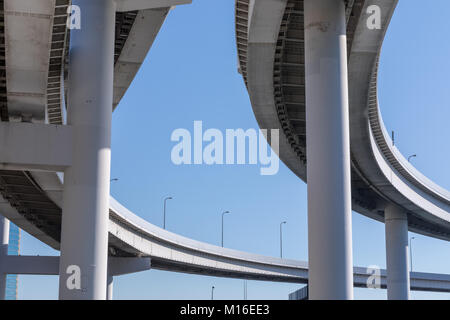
{"type": "Point", "coordinates": [274, 69]}
{"type": "Point", "coordinates": [270, 38]}
{"type": "Point", "coordinates": [131, 237]}
{"type": "Point", "coordinates": [279, 48]}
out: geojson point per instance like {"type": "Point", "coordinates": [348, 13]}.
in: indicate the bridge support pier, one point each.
{"type": "Point", "coordinates": [84, 231]}
{"type": "Point", "coordinates": [109, 287]}
{"type": "Point", "coordinates": [396, 223]}
{"type": "Point", "coordinates": [328, 150]}
{"type": "Point", "coordinates": [4, 238]}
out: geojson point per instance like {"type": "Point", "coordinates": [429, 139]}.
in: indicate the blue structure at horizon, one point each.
{"type": "Point", "coordinates": [13, 249]}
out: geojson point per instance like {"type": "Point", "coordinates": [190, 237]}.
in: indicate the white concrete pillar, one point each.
{"type": "Point", "coordinates": [328, 151]}
{"type": "Point", "coordinates": [4, 237]}
{"type": "Point", "coordinates": [84, 232]}
{"type": "Point", "coordinates": [109, 288]}
{"type": "Point", "coordinates": [397, 265]}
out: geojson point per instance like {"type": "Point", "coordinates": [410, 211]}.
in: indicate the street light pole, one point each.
{"type": "Point", "coordinates": [223, 213]}
{"type": "Point", "coordinates": [165, 200]}
{"type": "Point", "coordinates": [212, 293]}
{"type": "Point", "coordinates": [245, 289]}
{"type": "Point", "coordinates": [281, 238]}
{"type": "Point", "coordinates": [410, 253]}
{"type": "Point", "coordinates": [413, 156]}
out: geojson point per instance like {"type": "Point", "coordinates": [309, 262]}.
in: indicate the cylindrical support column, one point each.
{"type": "Point", "coordinates": [109, 288]}
{"type": "Point", "coordinates": [4, 238]}
{"type": "Point", "coordinates": [328, 151]}
{"type": "Point", "coordinates": [396, 222]}
{"type": "Point", "coordinates": [84, 232]}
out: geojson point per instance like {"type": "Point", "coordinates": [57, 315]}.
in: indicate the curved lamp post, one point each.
{"type": "Point", "coordinates": [223, 213]}
{"type": "Point", "coordinates": [165, 200]}
{"type": "Point", "coordinates": [281, 238]}
{"type": "Point", "coordinates": [410, 254]}
{"type": "Point", "coordinates": [412, 156]}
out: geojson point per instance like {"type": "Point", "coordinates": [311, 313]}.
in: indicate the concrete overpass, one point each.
{"type": "Point", "coordinates": [37, 139]}
{"type": "Point", "coordinates": [137, 245]}
{"type": "Point", "coordinates": [289, 51]}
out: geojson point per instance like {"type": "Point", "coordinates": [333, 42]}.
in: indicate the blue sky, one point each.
{"type": "Point", "coordinates": [191, 74]}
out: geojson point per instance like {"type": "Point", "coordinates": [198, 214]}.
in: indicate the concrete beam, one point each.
{"type": "Point", "coordinates": [28, 26]}
{"type": "Point", "coordinates": [142, 35]}
{"type": "Point", "coordinates": [122, 266]}
{"type": "Point", "coordinates": [28, 146]}
{"type": "Point", "coordinates": [31, 265]}
{"type": "Point", "coordinates": [263, 16]}
{"type": "Point", "coordinates": [131, 5]}
{"type": "Point", "coordinates": [46, 265]}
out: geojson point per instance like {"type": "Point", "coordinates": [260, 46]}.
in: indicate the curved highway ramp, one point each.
{"type": "Point", "coordinates": [270, 38]}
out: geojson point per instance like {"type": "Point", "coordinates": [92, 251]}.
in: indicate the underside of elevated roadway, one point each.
{"type": "Point", "coordinates": [33, 200]}
{"type": "Point", "coordinates": [28, 192]}
{"type": "Point", "coordinates": [273, 69]}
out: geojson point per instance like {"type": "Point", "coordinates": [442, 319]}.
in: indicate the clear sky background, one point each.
{"type": "Point", "coordinates": [191, 74]}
